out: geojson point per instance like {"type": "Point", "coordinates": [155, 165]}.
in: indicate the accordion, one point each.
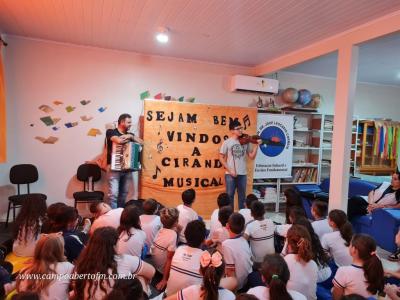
{"type": "Point", "coordinates": [126, 157]}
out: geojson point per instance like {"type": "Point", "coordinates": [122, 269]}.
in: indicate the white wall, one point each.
{"type": "Point", "coordinates": [372, 100]}
{"type": "Point", "coordinates": [38, 72]}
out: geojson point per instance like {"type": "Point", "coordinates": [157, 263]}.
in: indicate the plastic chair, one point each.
{"type": "Point", "coordinates": [84, 173]}
{"type": "Point", "coordinates": [19, 175]}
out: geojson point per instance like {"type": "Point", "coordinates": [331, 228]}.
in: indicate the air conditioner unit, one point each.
{"type": "Point", "coordinates": [254, 84]}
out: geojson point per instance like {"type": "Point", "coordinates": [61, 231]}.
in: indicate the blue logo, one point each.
{"type": "Point", "coordinates": [274, 141]}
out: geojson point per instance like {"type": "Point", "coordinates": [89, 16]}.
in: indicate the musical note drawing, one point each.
{"type": "Point", "coordinates": [157, 170]}
{"type": "Point", "coordinates": [246, 121]}
{"type": "Point", "coordinates": [160, 147]}
{"type": "Point", "coordinates": [159, 130]}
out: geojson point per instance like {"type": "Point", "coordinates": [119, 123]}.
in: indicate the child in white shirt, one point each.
{"type": "Point", "coordinates": [164, 244]}
{"type": "Point", "coordinates": [365, 275]}
{"type": "Point", "coordinates": [246, 212]}
{"type": "Point", "coordinates": [319, 210]}
{"type": "Point", "coordinates": [104, 216]}
{"type": "Point", "coordinates": [275, 275]}
{"type": "Point", "coordinates": [28, 225]}
{"type": "Point", "coordinates": [260, 233]}
{"type": "Point", "coordinates": [131, 236]}
{"type": "Point", "coordinates": [222, 200]}
{"type": "Point", "coordinates": [185, 265]}
{"type": "Point", "coordinates": [186, 213]}
{"type": "Point", "coordinates": [212, 268]}
{"type": "Point", "coordinates": [149, 221]}
{"type": "Point", "coordinates": [302, 267]}
{"type": "Point", "coordinates": [221, 234]}
{"type": "Point", "coordinates": [236, 251]}
{"type": "Point", "coordinates": [337, 242]}
{"type": "Point", "coordinates": [48, 259]}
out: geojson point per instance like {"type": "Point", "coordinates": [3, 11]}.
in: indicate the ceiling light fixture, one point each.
{"type": "Point", "coordinates": [162, 35]}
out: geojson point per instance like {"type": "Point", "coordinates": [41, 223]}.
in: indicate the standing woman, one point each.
{"type": "Point", "coordinates": [365, 275]}
{"type": "Point", "coordinates": [48, 259]}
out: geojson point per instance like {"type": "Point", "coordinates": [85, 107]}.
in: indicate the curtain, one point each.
{"type": "Point", "coordinates": [3, 132]}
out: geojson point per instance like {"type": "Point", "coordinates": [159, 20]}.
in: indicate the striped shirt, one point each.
{"type": "Point", "coordinates": [185, 269]}
{"type": "Point", "coordinates": [261, 237]}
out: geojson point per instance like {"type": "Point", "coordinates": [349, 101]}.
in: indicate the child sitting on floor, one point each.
{"type": "Point", "coordinates": [131, 236]}
{"type": "Point", "coordinates": [164, 244]}
{"type": "Point", "coordinates": [212, 268]}
{"type": "Point", "coordinates": [186, 212]}
{"type": "Point", "coordinates": [365, 275]}
{"type": "Point", "coordinates": [222, 200]}
{"type": "Point", "coordinates": [236, 251]}
{"type": "Point", "coordinates": [149, 221]}
{"type": "Point", "coordinates": [260, 233]}
{"type": "Point", "coordinates": [275, 275]}
{"type": "Point", "coordinates": [246, 212]}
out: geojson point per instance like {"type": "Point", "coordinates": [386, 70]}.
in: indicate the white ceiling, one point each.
{"type": "Point", "coordinates": [240, 32]}
{"type": "Point", "coordinates": [378, 62]}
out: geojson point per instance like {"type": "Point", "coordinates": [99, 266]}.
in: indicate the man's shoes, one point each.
{"type": "Point", "coordinates": [395, 256]}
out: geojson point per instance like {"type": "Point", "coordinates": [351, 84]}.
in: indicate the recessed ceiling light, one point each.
{"type": "Point", "coordinates": [162, 35]}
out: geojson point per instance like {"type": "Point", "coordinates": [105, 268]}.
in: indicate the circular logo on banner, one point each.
{"type": "Point", "coordinates": [274, 141]}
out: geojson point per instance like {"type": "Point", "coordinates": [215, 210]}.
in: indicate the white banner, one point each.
{"type": "Point", "coordinates": [274, 157]}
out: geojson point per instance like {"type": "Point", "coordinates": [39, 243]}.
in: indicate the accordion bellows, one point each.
{"type": "Point", "coordinates": [126, 157]}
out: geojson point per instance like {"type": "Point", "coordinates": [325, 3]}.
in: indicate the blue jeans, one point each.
{"type": "Point", "coordinates": [232, 183]}
{"type": "Point", "coordinates": [118, 187]}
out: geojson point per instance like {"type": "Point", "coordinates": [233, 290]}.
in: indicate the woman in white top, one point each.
{"type": "Point", "coordinates": [99, 257]}
{"type": "Point", "coordinates": [212, 268]}
{"type": "Point", "coordinates": [386, 195]}
{"type": "Point", "coordinates": [365, 275]}
{"type": "Point", "coordinates": [131, 236]}
{"type": "Point", "coordinates": [48, 259]}
{"type": "Point", "coordinates": [28, 225]}
{"type": "Point", "coordinates": [275, 275]}
{"type": "Point", "coordinates": [337, 242]}
{"type": "Point", "coordinates": [302, 267]}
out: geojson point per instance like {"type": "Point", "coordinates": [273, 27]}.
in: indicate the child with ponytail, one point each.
{"type": "Point", "coordinates": [212, 268]}
{"type": "Point", "coordinates": [365, 275]}
{"type": "Point", "coordinates": [303, 269]}
{"type": "Point", "coordinates": [275, 275]}
{"type": "Point", "coordinates": [336, 243]}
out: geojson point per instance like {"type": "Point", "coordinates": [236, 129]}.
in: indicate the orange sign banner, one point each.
{"type": "Point", "coordinates": [181, 149]}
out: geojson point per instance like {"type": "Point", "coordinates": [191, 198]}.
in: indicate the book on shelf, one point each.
{"type": "Point", "coordinates": [305, 175]}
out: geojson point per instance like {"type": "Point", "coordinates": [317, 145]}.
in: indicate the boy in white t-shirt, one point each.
{"type": "Point", "coordinates": [164, 244]}
{"type": "Point", "coordinates": [221, 234]}
{"type": "Point", "coordinates": [319, 211]}
{"type": "Point", "coordinates": [104, 216]}
{"type": "Point", "coordinates": [236, 251]}
{"type": "Point", "coordinates": [149, 221]}
{"type": "Point", "coordinates": [185, 265]}
{"type": "Point", "coordinates": [222, 200]}
{"type": "Point", "coordinates": [260, 233]}
{"type": "Point", "coordinates": [246, 212]}
{"type": "Point", "coordinates": [186, 213]}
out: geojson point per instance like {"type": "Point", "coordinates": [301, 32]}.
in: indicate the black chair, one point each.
{"type": "Point", "coordinates": [22, 174]}
{"type": "Point", "coordinates": [84, 173]}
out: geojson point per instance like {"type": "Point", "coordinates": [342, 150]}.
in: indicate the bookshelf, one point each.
{"type": "Point", "coordinates": [312, 150]}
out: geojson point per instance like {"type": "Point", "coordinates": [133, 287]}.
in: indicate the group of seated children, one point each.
{"type": "Point", "coordinates": [170, 254]}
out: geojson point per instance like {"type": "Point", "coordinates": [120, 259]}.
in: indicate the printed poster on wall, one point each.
{"type": "Point", "coordinates": [274, 157]}
{"type": "Point", "coordinates": [181, 151]}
